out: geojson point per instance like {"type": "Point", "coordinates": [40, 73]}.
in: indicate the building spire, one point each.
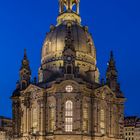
{"type": "Point", "coordinates": [112, 61]}
{"type": "Point", "coordinates": [25, 61]}
{"type": "Point", "coordinates": [25, 54]}
{"type": "Point", "coordinates": [111, 73]}
{"type": "Point", "coordinates": [112, 76]}
{"type": "Point", "coordinates": [25, 72]}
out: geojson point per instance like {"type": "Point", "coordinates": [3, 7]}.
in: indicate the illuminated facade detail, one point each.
{"type": "Point", "coordinates": [132, 128]}
{"type": "Point", "coordinates": [25, 72]}
{"type": "Point", "coordinates": [68, 102]}
{"type": "Point", "coordinates": [68, 116]}
{"type": "Point", "coordinates": [67, 5]}
{"type": "Point", "coordinates": [40, 75]}
{"type": "Point", "coordinates": [69, 88]}
{"type": "Point", "coordinates": [5, 128]}
{"type": "Point", "coordinates": [69, 10]}
{"type": "Point", "coordinates": [35, 123]}
{"type": "Point", "coordinates": [102, 121]}
{"type": "Point", "coordinates": [52, 118]}
{"type": "Point", "coordinates": [85, 118]}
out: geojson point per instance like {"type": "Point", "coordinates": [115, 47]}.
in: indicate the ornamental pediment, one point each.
{"type": "Point", "coordinates": [105, 92]}
{"type": "Point", "coordinates": [32, 88]}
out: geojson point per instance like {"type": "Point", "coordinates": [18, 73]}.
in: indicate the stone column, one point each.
{"type": "Point", "coordinates": [95, 116]}
{"type": "Point", "coordinates": [113, 120]}
{"type": "Point", "coordinates": [42, 106]}
{"type": "Point", "coordinates": [25, 119]}
{"type": "Point", "coordinates": [77, 8]}
{"type": "Point", "coordinates": [28, 120]}
{"type": "Point", "coordinates": [109, 119]}
{"type": "Point", "coordinates": [31, 118]}
{"type": "Point", "coordinates": [98, 116]}
{"type": "Point", "coordinates": [60, 10]}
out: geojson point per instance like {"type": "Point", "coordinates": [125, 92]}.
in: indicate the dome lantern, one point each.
{"type": "Point", "coordinates": [68, 6]}
{"type": "Point", "coordinates": [69, 11]}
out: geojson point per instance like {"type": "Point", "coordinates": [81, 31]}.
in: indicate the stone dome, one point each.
{"type": "Point", "coordinates": [54, 44]}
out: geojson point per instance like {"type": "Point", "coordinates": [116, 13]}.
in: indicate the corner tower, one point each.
{"type": "Point", "coordinates": [112, 76]}
{"type": "Point", "coordinates": [25, 72]}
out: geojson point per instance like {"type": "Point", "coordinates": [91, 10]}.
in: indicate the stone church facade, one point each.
{"type": "Point", "coordinates": [68, 102]}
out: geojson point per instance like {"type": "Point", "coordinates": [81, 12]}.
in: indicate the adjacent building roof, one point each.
{"type": "Point", "coordinates": [132, 121]}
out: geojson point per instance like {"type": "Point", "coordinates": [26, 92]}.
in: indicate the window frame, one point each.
{"type": "Point", "coordinates": [68, 116]}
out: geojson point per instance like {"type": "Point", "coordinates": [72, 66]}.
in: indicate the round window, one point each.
{"type": "Point", "coordinates": [69, 88]}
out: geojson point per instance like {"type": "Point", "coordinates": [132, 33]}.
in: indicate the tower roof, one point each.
{"type": "Point", "coordinates": [112, 76]}
{"type": "Point", "coordinates": [25, 61]}
{"type": "Point", "coordinates": [111, 63]}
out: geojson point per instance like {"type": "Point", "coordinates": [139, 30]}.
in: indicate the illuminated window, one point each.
{"type": "Point", "coordinates": [52, 118]}
{"type": "Point", "coordinates": [102, 115]}
{"type": "Point", "coordinates": [68, 116]}
{"type": "Point", "coordinates": [102, 121]}
{"type": "Point", "coordinates": [34, 120]}
{"type": "Point", "coordinates": [69, 88]}
{"type": "Point", "coordinates": [85, 118]}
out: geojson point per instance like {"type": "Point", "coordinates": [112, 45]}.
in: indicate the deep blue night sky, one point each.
{"type": "Point", "coordinates": [114, 24]}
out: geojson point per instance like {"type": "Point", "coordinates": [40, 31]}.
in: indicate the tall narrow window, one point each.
{"type": "Point", "coordinates": [34, 120]}
{"type": "Point", "coordinates": [52, 118]}
{"type": "Point", "coordinates": [68, 116]}
{"type": "Point", "coordinates": [85, 118]}
{"type": "Point", "coordinates": [69, 70]}
{"type": "Point", "coordinates": [102, 121]}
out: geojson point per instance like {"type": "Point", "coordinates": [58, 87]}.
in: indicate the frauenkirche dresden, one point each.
{"type": "Point", "coordinates": [68, 101]}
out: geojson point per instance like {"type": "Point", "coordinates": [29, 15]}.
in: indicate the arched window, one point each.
{"type": "Point", "coordinates": [68, 116]}
{"type": "Point", "coordinates": [69, 70]}
{"type": "Point", "coordinates": [102, 121]}
{"type": "Point", "coordinates": [74, 8]}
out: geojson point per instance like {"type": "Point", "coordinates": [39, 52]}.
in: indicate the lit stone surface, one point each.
{"type": "Point", "coordinates": [68, 102]}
